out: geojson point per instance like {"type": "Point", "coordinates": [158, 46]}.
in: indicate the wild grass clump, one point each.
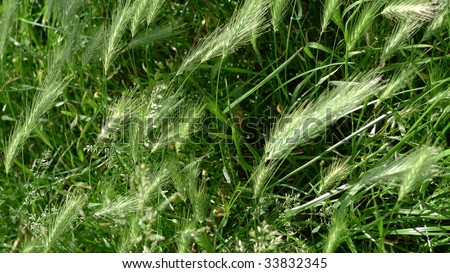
{"type": "Point", "coordinates": [329, 133]}
{"type": "Point", "coordinates": [329, 9]}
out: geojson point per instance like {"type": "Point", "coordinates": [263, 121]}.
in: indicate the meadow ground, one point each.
{"type": "Point", "coordinates": [224, 126]}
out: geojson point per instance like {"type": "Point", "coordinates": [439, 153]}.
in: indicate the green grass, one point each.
{"type": "Point", "coordinates": [224, 126]}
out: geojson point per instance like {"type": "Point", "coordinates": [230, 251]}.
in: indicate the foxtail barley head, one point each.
{"type": "Point", "coordinates": [440, 20]}
{"type": "Point", "coordinates": [58, 224]}
{"type": "Point", "coordinates": [336, 231]}
{"type": "Point", "coordinates": [420, 165]}
{"type": "Point", "coordinates": [336, 172]}
{"type": "Point", "coordinates": [246, 24]}
{"type": "Point", "coordinates": [329, 8]}
{"type": "Point", "coordinates": [417, 10]}
{"type": "Point", "coordinates": [126, 108]}
{"type": "Point", "coordinates": [144, 10]}
{"type": "Point", "coordinates": [52, 87]}
{"type": "Point", "coordinates": [8, 14]}
{"type": "Point", "coordinates": [363, 23]}
{"type": "Point", "coordinates": [115, 32]}
{"type": "Point", "coordinates": [401, 34]}
{"type": "Point", "coordinates": [310, 120]}
{"type": "Point", "coordinates": [278, 9]}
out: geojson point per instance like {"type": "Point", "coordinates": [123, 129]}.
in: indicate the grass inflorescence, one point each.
{"type": "Point", "coordinates": [224, 126]}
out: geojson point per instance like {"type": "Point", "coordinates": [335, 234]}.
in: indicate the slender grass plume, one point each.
{"type": "Point", "coordinates": [337, 231]}
{"type": "Point", "coordinates": [63, 12]}
{"type": "Point", "coordinates": [116, 30]}
{"type": "Point", "coordinates": [8, 14]}
{"type": "Point", "coordinates": [118, 207]}
{"type": "Point", "coordinates": [178, 129]}
{"type": "Point", "coordinates": [334, 173]}
{"type": "Point", "coordinates": [57, 224]}
{"type": "Point", "coordinates": [125, 109]}
{"type": "Point", "coordinates": [440, 20]}
{"type": "Point", "coordinates": [278, 9]}
{"type": "Point", "coordinates": [418, 10]}
{"type": "Point", "coordinates": [309, 120]}
{"type": "Point", "coordinates": [403, 31]}
{"type": "Point", "coordinates": [52, 87]}
{"type": "Point", "coordinates": [420, 165]}
{"type": "Point", "coordinates": [148, 183]}
{"type": "Point", "coordinates": [408, 172]}
{"type": "Point", "coordinates": [362, 23]}
{"type": "Point", "coordinates": [144, 11]}
{"type": "Point", "coordinates": [399, 81]}
{"type": "Point", "coordinates": [329, 8]}
{"type": "Point", "coordinates": [248, 23]}
{"type": "Point", "coordinates": [155, 34]}
{"type": "Point", "coordinates": [95, 46]}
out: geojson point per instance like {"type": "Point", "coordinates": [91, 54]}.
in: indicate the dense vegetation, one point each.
{"type": "Point", "coordinates": [224, 126]}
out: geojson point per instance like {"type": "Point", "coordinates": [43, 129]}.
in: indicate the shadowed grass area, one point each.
{"type": "Point", "coordinates": [224, 126]}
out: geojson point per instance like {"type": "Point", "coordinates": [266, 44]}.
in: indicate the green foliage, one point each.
{"type": "Point", "coordinates": [223, 126]}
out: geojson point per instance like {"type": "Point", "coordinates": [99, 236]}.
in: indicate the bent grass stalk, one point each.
{"type": "Point", "coordinates": [52, 87]}
{"type": "Point", "coordinates": [247, 24]}
{"type": "Point", "coordinates": [329, 8]}
{"type": "Point", "coordinates": [364, 21]}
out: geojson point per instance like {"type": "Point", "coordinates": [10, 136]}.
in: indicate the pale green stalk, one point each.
{"type": "Point", "coordinates": [144, 10]}
{"type": "Point", "coordinates": [329, 8]}
{"type": "Point", "coordinates": [246, 24]}
{"type": "Point", "coordinates": [8, 14]}
{"type": "Point", "coordinates": [401, 34]}
{"type": "Point", "coordinates": [417, 10]}
{"type": "Point", "coordinates": [278, 9]}
{"type": "Point", "coordinates": [362, 25]}
{"type": "Point", "coordinates": [52, 87]}
{"type": "Point", "coordinates": [310, 120]}
{"type": "Point", "coordinates": [115, 32]}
